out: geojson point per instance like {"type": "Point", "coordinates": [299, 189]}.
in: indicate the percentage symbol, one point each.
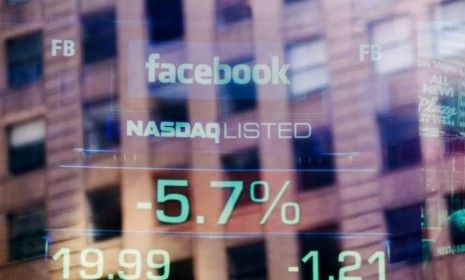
{"type": "Point", "coordinates": [287, 205]}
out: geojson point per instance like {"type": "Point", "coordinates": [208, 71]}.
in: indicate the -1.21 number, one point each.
{"type": "Point", "coordinates": [129, 259]}
{"type": "Point", "coordinates": [357, 263]}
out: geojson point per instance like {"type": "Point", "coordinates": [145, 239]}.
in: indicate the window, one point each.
{"type": "Point", "coordinates": [26, 235]}
{"type": "Point", "coordinates": [25, 61]}
{"type": "Point", "coordinates": [16, 2]}
{"type": "Point", "coordinates": [394, 37]}
{"type": "Point", "coordinates": [169, 103]}
{"type": "Point", "coordinates": [405, 237]}
{"type": "Point", "coordinates": [248, 262]}
{"type": "Point", "coordinates": [309, 70]}
{"type": "Point", "coordinates": [101, 125]}
{"type": "Point", "coordinates": [448, 29]}
{"type": "Point", "coordinates": [26, 146]}
{"type": "Point", "coordinates": [105, 212]}
{"type": "Point", "coordinates": [182, 270]}
{"type": "Point", "coordinates": [400, 141]}
{"type": "Point", "coordinates": [99, 36]}
{"type": "Point", "coordinates": [295, 1]}
{"type": "Point", "coordinates": [242, 166]}
{"type": "Point", "coordinates": [235, 98]}
{"type": "Point", "coordinates": [313, 159]}
{"type": "Point", "coordinates": [454, 141]}
{"type": "Point", "coordinates": [229, 12]}
{"type": "Point", "coordinates": [172, 208]}
{"type": "Point", "coordinates": [165, 20]}
{"type": "Point", "coordinates": [456, 207]}
{"type": "Point", "coordinates": [322, 241]}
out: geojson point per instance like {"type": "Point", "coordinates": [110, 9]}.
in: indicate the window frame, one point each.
{"type": "Point", "coordinates": [408, 42]}
{"type": "Point", "coordinates": [26, 60]}
{"type": "Point", "coordinates": [308, 68]}
{"type": "Point", "coordinates": [111, 35]}
{"type": "Point", "coordinates": [112, 102]}
{"type": "Point", "coordinates": [91, 223]}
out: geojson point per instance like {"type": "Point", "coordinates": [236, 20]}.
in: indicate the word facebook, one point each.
{"type": "Point", "coordinates": [216, 131]}
{"type": "Point", "coordinates": [218, 74]}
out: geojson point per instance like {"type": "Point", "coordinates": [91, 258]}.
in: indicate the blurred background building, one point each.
{"type": "Point", "coordinates": [69, 176]}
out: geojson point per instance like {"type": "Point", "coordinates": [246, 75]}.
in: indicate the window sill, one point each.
{"type": "Point", "coordinates": [23, 261]}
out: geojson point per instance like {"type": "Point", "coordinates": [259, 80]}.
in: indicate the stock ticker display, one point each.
{"type": "Point", "coordinates": [232, 139]}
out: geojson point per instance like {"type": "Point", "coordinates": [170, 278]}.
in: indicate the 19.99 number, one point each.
{"type": "Point", "coordinates": [128, 259]}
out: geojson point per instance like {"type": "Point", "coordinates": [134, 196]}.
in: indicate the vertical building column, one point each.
{"type": "Point", "coordinates": [361, 209]}
{"type": "Point", "coordinates": [210, 260]}
{"type": "Point", "coordinates": [136, 185]}
{"type": "Point", "coordinates": [65, 191]}
{"type": "Point", "coordinates": [268, 18]}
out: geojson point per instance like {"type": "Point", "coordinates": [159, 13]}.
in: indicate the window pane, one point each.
{"type": "Point", "coordinates": [309, 71]}
{"type": "Point", "coordinates": [449, 29]}
{"type": "Point", "coordinates": [305, 82]}
{"type": "Point", "coordinates": [26, 146]}
{"type": "Point", "coordinates": [404, 227]}
{"type": "Point", "coordinates": [391, 31]}
{"type": "Point", "coordinates": [395, 59]}
{"type": "Point", "coordinates": [182, 270]}
{"type": "Point", "coordinates": [394, 38]}
{"type": "Point", "coordinates": [248, 262]}
{"type": "Point", "coordinates": [327, 246]}
{"type": "Point", "coordinates": [303, 55]}
{"type": "Point", "coordinates": [101, 125]}
{"type": "Point", "coordinates": [314, 154]}
{"type": "Point", "coordinates": [105, 213]}
{"type": "Point", "coordinates": [165, 20]}
{"type": "Point", "coordinates": [399, 133]}
{"type": "Point", "coordinates": [173, 208]}
{"type": "Point", "coordinates": [26, 235]}
{"type": "Point", "coordinates": [99, 36]}
{"type": "Point", "coordinates": [244, 166]}
{"type": "Point", "coordinates": [25, 64]}
{"type": "Point", "coordinates": [236, 98]}
{"type": "Point", "coordinates": [231, 11]}
{"type": "Point", "coordinates": [16, 2]}
{"type": "Point", "coordinates": [169, 103]}
{"type": "Point", "coordinates": [456, 209]}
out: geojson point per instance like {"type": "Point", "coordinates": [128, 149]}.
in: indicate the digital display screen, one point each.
{"type": "Point", "coordinates": [232, 139]}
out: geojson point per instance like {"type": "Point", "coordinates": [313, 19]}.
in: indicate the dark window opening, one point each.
{"type": "Point", "coordinates": [229, 12]}
{"type": "Point", "coordinates": [314, 160]}
{"type": "Point", "coordinates": [295, 1]}
{"type": "Point", "coordinates": [169, 103]}
{"type": "Point", "coordinates": [26, 147]}
{"type": "Point", "coordinates": [167, 109]}
{"type": "Point", "coordinates": [454, 142]}
{"type": "Point", "coordinates": [236, 98]}
{"type": "Point", "coordinates": [16, 2]}
{"type": "Point", "coordinates": [24, 59]}
{"type": "Point", "coordinates": [327, 246]}
{"type": "Point", "coordinates": [101, 125]}
{"type": "Point", "coordinates": [456, 208]}
{"type": "Point", "coordinates": [243, 166]}
{"type": "Point", "coordinates": [165, 20]}
{"type": "Point", "coordinates": [99, 36]}
{"type": "Point", "coordinates": [182, 270]}
{"type": "Point", "coordinates": [405, 235]}
{"type": "Point", "coordinates": [105, 213]}
{"type": "Point", "coordinates": [26, 235]}
{"type": "Point", "coordinates": [400, 141]}
{"type": "Point", "coordinates": [248, 262]}
{"type": "Point", "coordinates": [173, 208]}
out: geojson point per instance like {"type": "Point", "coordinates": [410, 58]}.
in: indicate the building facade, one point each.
{"type": "Point", "coordinates": [70, 177]}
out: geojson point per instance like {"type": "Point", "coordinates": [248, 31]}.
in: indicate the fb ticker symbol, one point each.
{"type": "Point", "coordinates": [373, 50]}
{"type": "Point", "coordinates": [67, 47]}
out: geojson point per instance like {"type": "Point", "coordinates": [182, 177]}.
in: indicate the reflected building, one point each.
{"type": "Point", "coordinates": [365, 181]}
